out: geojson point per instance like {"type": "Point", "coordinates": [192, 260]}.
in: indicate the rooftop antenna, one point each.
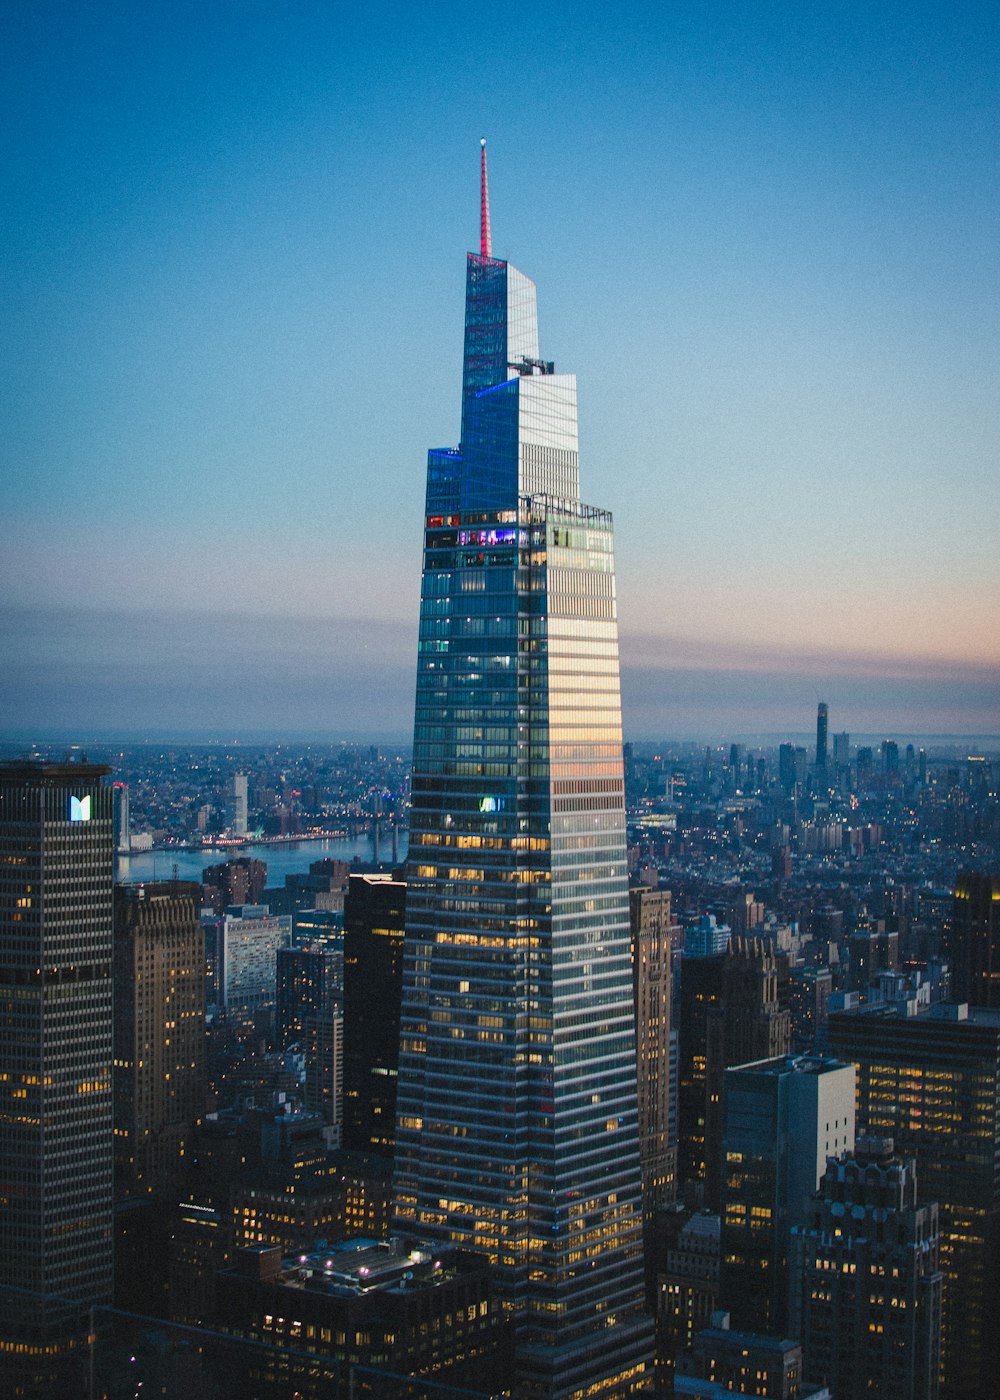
{"type": "Point", "coordinates": [485, 242]}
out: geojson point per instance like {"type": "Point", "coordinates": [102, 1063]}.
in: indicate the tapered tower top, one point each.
{"type": "Point", "coordinates": [485, 241]}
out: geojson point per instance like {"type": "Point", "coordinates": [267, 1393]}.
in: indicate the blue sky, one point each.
{"type": "Point", "coordinates": [764, 238]}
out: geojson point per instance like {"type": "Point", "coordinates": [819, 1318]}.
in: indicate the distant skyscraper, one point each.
{"type": "Point", "coordinates": [123, 832]}
{"type": "Point", "coordinates": [974, 940]}
{"type": "Point", "coordinates": [159, 1038]}
{"type": "Point", "coordinates": [821, 728]}
{"type": "Point", "coordinates": [236, 804]}
{"type": "Point", "coordinates": [866, 765]}
{"type": "Point", "coordinates": [56, 872]}
{"type": "Point", "coordinates": [792, 763]}
{"type": "Point", "coordinates": [890, 756]}
{"type": "Point", "coordinates": [517, 1091]}
{"type": "Point", "coordinates": [841, 751]}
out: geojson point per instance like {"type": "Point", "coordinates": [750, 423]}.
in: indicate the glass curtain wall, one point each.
{"type": "Point", "coordinates": [517, 1132]}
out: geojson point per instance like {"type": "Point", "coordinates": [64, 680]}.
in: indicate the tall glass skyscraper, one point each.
{"type": "Point", "coordinates": [517, 1126]}
{"type": "Point", "coordinates": [56, 1053]}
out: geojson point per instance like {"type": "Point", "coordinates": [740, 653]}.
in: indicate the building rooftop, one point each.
{"type": "Point", "coordinates": [352, 1268]}
{"type": "Point", "coordinates": [951, 1013]}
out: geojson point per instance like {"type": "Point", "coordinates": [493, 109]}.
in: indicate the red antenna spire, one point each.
{"type": "Point", "coordinates": [485, 242]}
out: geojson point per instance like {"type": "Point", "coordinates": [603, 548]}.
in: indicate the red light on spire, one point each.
{"type": "Point", "coordinates": [485, 242]}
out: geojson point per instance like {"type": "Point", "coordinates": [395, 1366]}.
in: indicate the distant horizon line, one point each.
{"type": "Point", "coordinates": [212, 738]}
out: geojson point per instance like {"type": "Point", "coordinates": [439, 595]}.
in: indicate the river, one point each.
{"type": "Point", "coordinates": [282, 858]}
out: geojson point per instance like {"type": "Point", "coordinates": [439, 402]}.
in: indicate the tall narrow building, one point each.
{"type": "Point", "coordinates": [731, 1014]}
{"type": "Point", "coordinates": [651, 947]}
{"type": "Point", "coordinates": [159, 1035]}
{"type": "Point", "coordinates": [56, 881]}
{"type": "Point", "coordinates": [517, 1121]}
{"type": "Point", "coordinates": [822, 724]}
{"type": "Point", "coordinates": [374, 911]}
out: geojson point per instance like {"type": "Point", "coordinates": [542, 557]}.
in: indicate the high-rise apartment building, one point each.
{"type": "Point", "coordinates": [159, 1035]}
{"type": "Point", "coordinates": [517, 1126]}
{"type": "Point", "coordinates": [247, 943]}
{"type": "Point", "coordinates": [931, 1081]}
{"type": "Point", "coordinates": [974, 939]}
{"type": "Point", "coordinates": [56, 880]}
{"type": "Point", "coordinates": [239, 881]}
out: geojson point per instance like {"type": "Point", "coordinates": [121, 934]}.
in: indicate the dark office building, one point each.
{"type": "Point", "coordinates": [866, 1264]}
{"type": "Point", "coordinates": [159, 1034]}
{"type": "Point", "coordinates": [687, 1285]}
{"type": "Point", "coordinates": [324, 1060]}
{"type": "Point", "coordinates": [870, 951]}
{"type": "Point", "coordinates": [310, 1013]}
{"type": "Point", "coordinates": [792, 765]}
{"type": "Point", "coordinates": [396, 1306]}
{"type": "Point", "coordinates": [783, 1118]}
{"type": "Point", "coordinates": [374, 912]}
{"type": "Point", "coordinates": [974, 939]}
{"type": "Point", "coordinates": [56, 871]}
{"type": "Point", "coordinates": [730, 1015]}
{"type": "Point", "coordinates": [809, 999]}
{"type": "Point", "coordinates": [701, 994]}
{"type": "Point", "coordinates": [931, 1081]}
{"type": "Point", "coordinates": [309, 981]}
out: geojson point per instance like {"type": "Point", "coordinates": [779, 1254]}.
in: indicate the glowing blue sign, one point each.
{"type": "Point", "coordinates": [79, 809]}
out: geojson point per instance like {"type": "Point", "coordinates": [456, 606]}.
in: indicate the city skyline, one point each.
{"type": "Point", "coordinates": [220, 373]}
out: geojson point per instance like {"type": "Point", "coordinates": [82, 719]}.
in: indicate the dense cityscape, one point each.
{"type": "Point", "coordinates": [792, 895]}
{"type": "Point", "coordinates": [534, 1059]}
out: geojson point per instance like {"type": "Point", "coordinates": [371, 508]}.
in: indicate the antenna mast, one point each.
{"type": "Point", "coordinates": [485, 241]}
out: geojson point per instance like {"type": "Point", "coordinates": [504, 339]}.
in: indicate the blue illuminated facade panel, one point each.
{"type": "Point", "coordinates": [517, 1124]}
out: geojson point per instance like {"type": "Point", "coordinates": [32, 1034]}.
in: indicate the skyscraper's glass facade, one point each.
{"type": "Point", "coordinates": [56, 1052]}
{"type": "Point", "coordinates": [517, 1128]}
